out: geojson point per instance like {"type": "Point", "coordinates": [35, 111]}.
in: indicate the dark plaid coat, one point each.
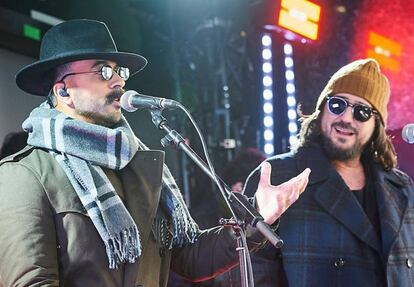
{"type": "Point", "coordinates": [329, 240]}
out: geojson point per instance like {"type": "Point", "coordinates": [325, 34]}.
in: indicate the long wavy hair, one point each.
{"type": "Point", "coordinates": [379, 148]}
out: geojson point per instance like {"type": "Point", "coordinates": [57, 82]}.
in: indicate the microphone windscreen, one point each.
{"type": "Point", "coordinates": [408, 133]}
{"type": "Point", "coordinates": [125, 101]}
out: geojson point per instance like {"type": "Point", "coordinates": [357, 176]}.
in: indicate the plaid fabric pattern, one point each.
{"type": "Point", "coordinates": [82, 149]}
{"type": "Point", "coordinates": [329, 239]}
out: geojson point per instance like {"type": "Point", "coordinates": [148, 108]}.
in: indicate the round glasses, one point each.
{"type": "Point", "coordinates": [360, 112]}
{"type": "Point", "coordinates": [106, 72]}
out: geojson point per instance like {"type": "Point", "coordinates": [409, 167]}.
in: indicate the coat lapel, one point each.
{"type": "Point", "coordinates": [142, 185]}
{"type": "Point", "coordinates": [392, 207]}
{"type": "Point", "coordinates": [142, 181]}
{"type": "Point", "coordinates": [335, 197]}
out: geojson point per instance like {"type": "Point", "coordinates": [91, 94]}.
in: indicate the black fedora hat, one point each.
{"type": "Point", "coordinates": [71, 41]}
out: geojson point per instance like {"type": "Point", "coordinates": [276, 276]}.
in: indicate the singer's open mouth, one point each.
{"type": "Point", "coordinates": [344, 132]}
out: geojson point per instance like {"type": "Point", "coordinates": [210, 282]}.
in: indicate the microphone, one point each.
{"type": "Point", "coordinates": [132, 101]}
{"type": "Point", "coordinates": [408, 133]}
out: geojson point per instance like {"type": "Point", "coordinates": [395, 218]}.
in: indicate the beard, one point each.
{"type": "Point", "coordinates": [108, 119]}
{"type": "Point", "coordinates": [105, 120]}
{"type": "Point", "coordinates": [334, 152]}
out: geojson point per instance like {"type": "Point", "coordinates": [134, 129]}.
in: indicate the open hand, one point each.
{"type": "Point", "coordinates": [273, 200]}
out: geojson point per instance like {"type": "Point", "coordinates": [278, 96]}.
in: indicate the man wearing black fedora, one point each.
{"type": "Point", "coordinates": [86, 203]}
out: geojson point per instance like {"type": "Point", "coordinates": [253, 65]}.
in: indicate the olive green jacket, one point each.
{"type": "Point", "coordinates": [47, 238]}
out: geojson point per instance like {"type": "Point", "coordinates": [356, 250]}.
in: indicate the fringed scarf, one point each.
{"type": "Point", "coordinates": [82, 149]}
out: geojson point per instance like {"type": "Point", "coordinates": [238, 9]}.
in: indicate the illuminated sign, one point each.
{"type": "Point", "coordinates": [386, 51]}
{"type": "Point", "coordinates": [301, 17]}
{"type": "Point", "coordinates": [31, 32]}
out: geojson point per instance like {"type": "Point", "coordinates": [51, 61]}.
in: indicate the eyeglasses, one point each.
{"type": "Point", "coordinates": [106, 72]}
{"type": "Point", "coordinates": [361, 113]}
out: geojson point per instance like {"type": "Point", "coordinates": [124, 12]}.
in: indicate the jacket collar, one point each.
{"type": "Point", "coordinates": [392, 204]}
{"type": "Point", "coordinates": [315, 159]}
{"type": "Point", "coordinates": [335, 197]}
{"type": "Point", "coordinates": [18, 155]}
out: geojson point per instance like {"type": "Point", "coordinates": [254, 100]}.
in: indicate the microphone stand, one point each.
{"type": "Point", "coordinates": [241, 209]}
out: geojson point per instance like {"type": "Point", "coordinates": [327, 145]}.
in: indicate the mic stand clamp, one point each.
{"type": "Point", "coordinates": [241, 249]}
{"type": "Point", "coordinates": [161, 122]}
{"type": "Point", "coordinates": [231, 222]}
{"type": "Point", "coordinates": [246, 211]}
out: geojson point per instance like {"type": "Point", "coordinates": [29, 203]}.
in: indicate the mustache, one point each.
{"type": "Point", "coordinates": [114, 95]}
{"type": "Point", "coordinates": [344, 125]}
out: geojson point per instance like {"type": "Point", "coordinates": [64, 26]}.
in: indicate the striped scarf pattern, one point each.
{"type": "Point", "coordinates": [82, 149]}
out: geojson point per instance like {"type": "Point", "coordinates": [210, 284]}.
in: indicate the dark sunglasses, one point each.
{"type": "Point", "coordinates": [106, 72]}
{"type": "Point", "coordinates": [361, 113]}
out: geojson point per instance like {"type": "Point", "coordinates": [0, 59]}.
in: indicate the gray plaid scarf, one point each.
{"type": "Point", "coordinates": [82, 149]}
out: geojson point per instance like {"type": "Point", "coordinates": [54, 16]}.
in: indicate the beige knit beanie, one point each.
{"type": "Point", "coordinates": [361, 78]}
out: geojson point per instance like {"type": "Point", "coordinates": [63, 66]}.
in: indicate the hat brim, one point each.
{"type": "Point", "coordinates": [34, 78]}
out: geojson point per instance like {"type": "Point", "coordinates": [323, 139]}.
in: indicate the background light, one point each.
{"type": "Point", "coordinates": [290, 88]}
{"type": "Point", "coordinates": [292, 114]}
{"type": "Point", "coordinates": [267, 94]}
{"type": "Point", "coordinates": [386, 51]}
{"type": "Point", "coordinates": [266, 40]}
{"type": "Point", "coordinates": [267, 54]}
{"type": "Point", "coordinates": [291, 101]}
{"type": "Point", "coordinates": [287, 48]}
{"type": "Point", "coordinates": [301, 17]}
{"type": "Point", "coordinates": [290, 75]}
{"type": "Point", "coordinates": [268, 108]}
{"type": "Point", "coordinates": [268, 121]}
{"type": "Point", "coordinates": [293, 128]}
{"type": "Point", "coordinates": [268, 135]}
{"type": "Point", "coordinates": [269, 149]}
{"type": "Point", "coordinates": [267, 80]}
{"type": "Point", "coordinates": [267, 67]}
{"type": "Point", "coordinates": [288, 62]}
{"type": "Point", "coordinates": [291, 96]}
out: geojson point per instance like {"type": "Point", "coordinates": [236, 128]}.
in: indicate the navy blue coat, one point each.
{"type": "Point", "coordinates": [329, 240]}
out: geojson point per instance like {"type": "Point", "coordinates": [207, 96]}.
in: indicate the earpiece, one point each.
{"type": "Point", "coordinates": [63, 93]}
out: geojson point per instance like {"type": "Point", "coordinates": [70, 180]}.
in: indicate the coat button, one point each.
{"type": "Point", "coordinates": [339, 263]}
{"type": "Point", "coordinates": [409, 263]}
{"type": "Point", "coordinates": [162, 251]}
